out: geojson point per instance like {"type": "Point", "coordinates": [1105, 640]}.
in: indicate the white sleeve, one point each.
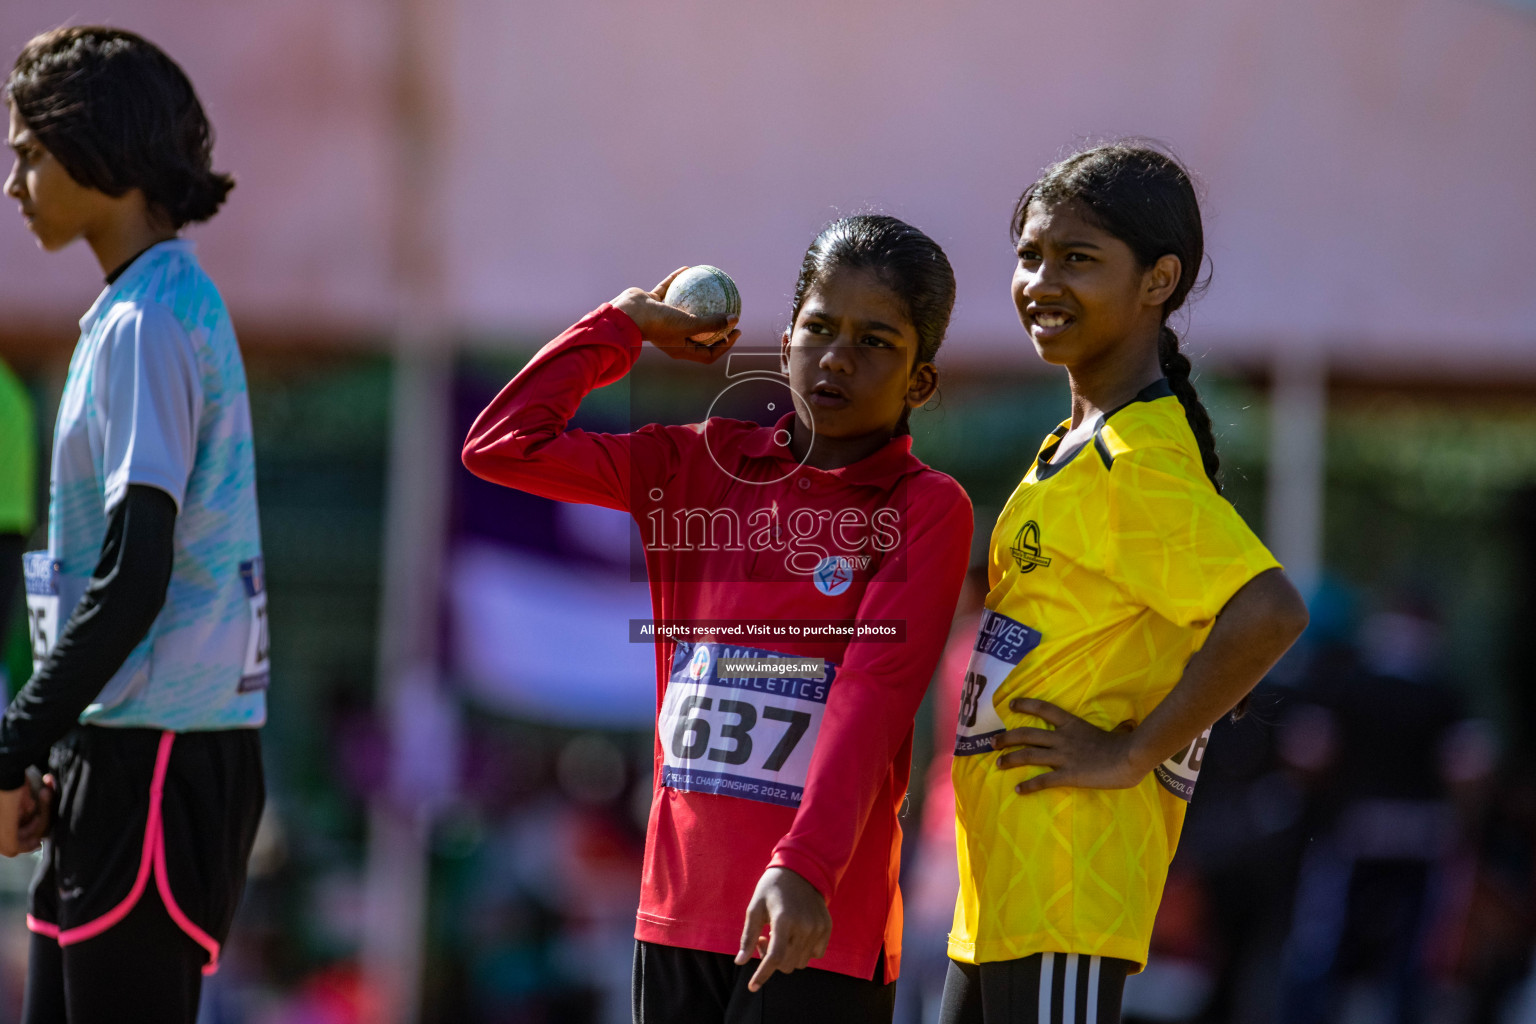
{"type": "Point", "coordinates": [154, 400]}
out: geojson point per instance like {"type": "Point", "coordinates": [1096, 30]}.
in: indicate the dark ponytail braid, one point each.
{"type": "Point", "coordinates": [1176, 368]}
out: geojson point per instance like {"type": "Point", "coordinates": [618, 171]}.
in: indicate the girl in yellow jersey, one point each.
{"type": "Point", "coordinates": [1129, 608]}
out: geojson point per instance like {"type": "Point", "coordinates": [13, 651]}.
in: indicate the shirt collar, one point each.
{"type": "Point", "coordinates": [131, 272]}
{"type": "Point", "coordinates": [891, 462]}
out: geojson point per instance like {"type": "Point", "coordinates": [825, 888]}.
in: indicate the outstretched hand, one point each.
{"type": "Point", "coordinates": [1079, 753]}
{"type": "Point", "coordinates": [798, 923]}
{"type": "Point", "coordinates": [673, 330]}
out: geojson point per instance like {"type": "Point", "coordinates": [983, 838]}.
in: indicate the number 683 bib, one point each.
{"type": "Point", "coordinates": [1001, 643]}
{"type": "Point", "coordinates": [748, 736]}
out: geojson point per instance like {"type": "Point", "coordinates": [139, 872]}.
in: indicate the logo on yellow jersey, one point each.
{"type": "Point", "coordinates": [1026, 548]}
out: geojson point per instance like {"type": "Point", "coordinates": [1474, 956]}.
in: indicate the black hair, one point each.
{"type": "Point", "coordinates": [1145, 198]}
{"type": "Point", "coordinates": [907, 261]}
{"type": "Point", "coordinates": [118, 114]}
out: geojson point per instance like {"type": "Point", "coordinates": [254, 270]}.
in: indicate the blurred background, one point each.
{"type": "Point", "coordinates": [459, 743]}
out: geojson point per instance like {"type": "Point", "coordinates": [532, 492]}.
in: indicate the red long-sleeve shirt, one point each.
{"type": "Point", "coordinates": [724, 511]}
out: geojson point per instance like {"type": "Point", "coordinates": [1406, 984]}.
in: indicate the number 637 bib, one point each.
{"type": "Point", "coordinates": [748, 736]}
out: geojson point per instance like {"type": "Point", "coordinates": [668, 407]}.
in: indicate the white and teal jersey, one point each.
{"type": "Point", "coordinates": [156, 396]}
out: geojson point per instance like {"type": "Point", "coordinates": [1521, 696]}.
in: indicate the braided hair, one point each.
{"type": "Point", "coordinates": [1145, 198]}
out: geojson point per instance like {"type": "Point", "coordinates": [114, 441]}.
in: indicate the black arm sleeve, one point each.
{"type": "Point", "coordinates": [125, 594]}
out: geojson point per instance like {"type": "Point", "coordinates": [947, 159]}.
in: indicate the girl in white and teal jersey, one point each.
{"type": "Point", "coordinates": [148, 608]}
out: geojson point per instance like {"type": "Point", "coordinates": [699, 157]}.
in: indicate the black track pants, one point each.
{"type": "Point", "coordinates": [142, 872]}
{"type": "Point", "coordinates": [1047, 988]}
{"type": "Point", "coordinates": [689, 986]}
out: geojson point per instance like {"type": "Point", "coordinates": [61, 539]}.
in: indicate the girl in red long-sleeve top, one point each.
{"type": "Point", "coordinates": [774, 830]}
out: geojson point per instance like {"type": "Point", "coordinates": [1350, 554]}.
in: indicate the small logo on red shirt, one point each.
{"type": "Point", "coordinates": [834, 575]}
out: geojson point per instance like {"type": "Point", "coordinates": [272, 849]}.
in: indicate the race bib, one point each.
{"type": "Point", "coordinates": [738, 721]}
{"type": "Point", "coordinates": [1179, 772]}
{"type": "Point", "coordinates": [1000, 644]}
{"type": "Point", "coordinates": [42, 575]}
{"type": "Point", "coordinates": [256, 672]}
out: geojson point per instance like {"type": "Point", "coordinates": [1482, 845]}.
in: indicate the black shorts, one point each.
{"type": "Point", "coordinates": [1046, 988]}
{"type": "Point", "coordinates": [151, 830]}
{"type": "Point", "coordinates": [672, 985]}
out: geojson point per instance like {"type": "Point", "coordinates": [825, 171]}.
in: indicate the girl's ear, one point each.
{"type": "Point", "coordinates": [784, 353]}
{"type": "Point", "coordinates": [922, 384]}
{"type": "Point", "coordinates": [1161, 279]}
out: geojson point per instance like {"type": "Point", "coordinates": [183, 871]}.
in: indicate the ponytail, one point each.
{"type": "Point", "coordinates": [1176, 368]}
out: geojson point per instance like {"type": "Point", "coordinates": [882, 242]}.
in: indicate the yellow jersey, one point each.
{"type": "Point", "coordinates": [1107, 568]}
